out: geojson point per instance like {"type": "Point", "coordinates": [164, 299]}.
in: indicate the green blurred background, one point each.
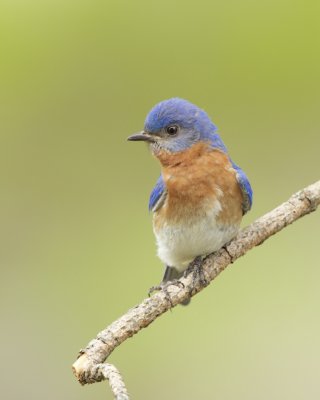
{"type": "Point", "coordinates": [77, 249]}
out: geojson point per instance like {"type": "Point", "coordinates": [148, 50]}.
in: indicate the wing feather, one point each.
{"type": "Point", "coordinates": [158, 195]}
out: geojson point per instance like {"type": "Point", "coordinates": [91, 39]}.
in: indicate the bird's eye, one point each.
{"type": "Point", "coordinates": [172, 129]}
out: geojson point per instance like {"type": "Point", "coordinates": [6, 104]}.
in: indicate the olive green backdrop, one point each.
{"type": "Point", "coordinates": [77, 248]}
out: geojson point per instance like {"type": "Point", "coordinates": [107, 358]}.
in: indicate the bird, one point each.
{"type": "Point", "coordinates": [201, 195]}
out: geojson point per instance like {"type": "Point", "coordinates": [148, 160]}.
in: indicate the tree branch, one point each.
{"type": "Point", "coordinates": [90, 367]}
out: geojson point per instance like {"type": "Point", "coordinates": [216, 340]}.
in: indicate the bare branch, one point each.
{"type": "Point", "coordinates": [97, 372]}
{"type": "Point", "coordinates": [90, 367]}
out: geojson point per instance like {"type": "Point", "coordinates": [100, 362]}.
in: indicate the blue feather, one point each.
{"type": "Point", "coordinates": [156, 193]}
{"type": "Point", "coordinates": [245, 188]}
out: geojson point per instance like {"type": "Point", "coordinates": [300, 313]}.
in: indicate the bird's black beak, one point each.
{"type": "Point", "coordinates": [141, 136]}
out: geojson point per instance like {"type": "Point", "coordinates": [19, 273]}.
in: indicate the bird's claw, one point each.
{"type": "Point", "coordinates": [164, 288]}
{"type": "Point", "coordinates": [196, 268]}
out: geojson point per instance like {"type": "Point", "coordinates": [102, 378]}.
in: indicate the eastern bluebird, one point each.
{"type": "Point", "coordinates": [201, 195]}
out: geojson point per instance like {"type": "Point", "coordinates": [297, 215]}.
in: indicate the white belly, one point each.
{"type": "Point", "coordinates": [179, 243]}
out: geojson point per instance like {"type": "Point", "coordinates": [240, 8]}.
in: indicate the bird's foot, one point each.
{"type": "Point", "coordinates": [198, 275]}
{"type": "Point", "coordinates": [164, 288]}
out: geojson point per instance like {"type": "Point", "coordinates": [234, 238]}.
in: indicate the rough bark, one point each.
{"type": "Point", "coordinates": [90, 367]}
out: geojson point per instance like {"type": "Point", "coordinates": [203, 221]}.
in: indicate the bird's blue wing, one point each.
{"type": "Point", "coordinates": [245, 188]}
{"type": "Point", "coordinates": [157, 195]}
{"type": "Point", "coordinates": [242, 179]}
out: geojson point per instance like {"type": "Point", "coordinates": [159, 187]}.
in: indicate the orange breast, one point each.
{"type": "Point", "coordinates": [194, 179]}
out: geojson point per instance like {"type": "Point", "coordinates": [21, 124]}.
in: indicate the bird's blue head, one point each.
{"type": "Point", "coordinates": [174, 125]}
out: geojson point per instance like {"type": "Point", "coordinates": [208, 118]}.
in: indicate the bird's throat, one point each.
{"type": "Point", "coordinates": [181, 158]}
